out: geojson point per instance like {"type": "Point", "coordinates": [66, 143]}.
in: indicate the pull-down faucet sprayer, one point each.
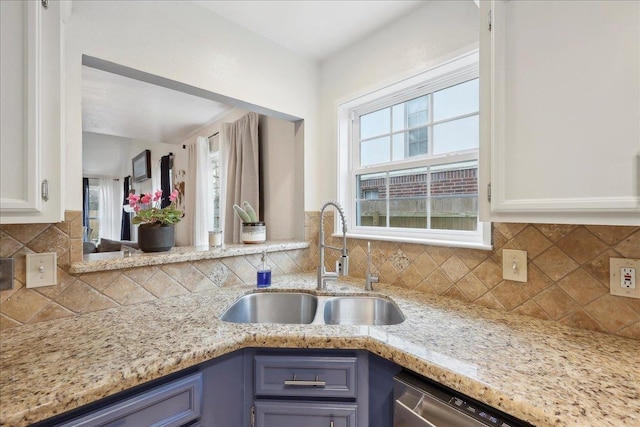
{"type": "Point", "coordinates": [342, 265]}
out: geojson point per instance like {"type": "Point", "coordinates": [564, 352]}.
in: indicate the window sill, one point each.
{"type": "Point", "coordinates": [418, 240]}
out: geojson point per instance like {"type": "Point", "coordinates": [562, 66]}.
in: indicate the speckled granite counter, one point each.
{"type": "Point", "coordinates": [538, 371]}
{"type": "Point", "coordinates": [116, 260]}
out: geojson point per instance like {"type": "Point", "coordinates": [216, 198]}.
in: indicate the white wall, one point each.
{"type": "Point", "coordinates": [283, 208]}
{"type": "Point", "coordinates": [105, 156]}
{"type": "Point", "coordinates": [109, 156]}
{"type": "Point", "coordinates": [437, 30]}
{"type": "Point", "coordinates": [189, 44]}
{"type": "Point", "coordinates": [184, 42]}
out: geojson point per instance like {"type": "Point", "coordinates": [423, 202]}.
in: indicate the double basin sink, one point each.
{"type": "Point", "coordinates": [304, 308]}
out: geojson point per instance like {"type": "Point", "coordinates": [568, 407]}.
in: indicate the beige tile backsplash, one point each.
{"type": "Point", "coordinates": [83, 293]}
{"type": "Point", "coordinates": [567, 280]}
{"type": "Point", "coordinates": [568, 271]}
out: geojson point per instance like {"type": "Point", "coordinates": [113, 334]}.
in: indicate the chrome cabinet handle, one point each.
{"type": "Point", "coordinates": [303, 383]}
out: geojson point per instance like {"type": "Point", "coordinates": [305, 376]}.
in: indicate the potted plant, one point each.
{"type": "Point", "coordinates": [253, 231]}
{"type": "Point", "coordinates": [156, 231]}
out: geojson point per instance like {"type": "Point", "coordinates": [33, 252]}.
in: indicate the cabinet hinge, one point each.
{"type": "Point", "coordinates": [489, 192]}
{"type": "Point", "coordinates": [45, 4]}
{"type": "Point", "coordinates": [253, 416]}
{"type": "Point", "coordinates": [45, 190]}
{"type": "Point", "coordinates": [489, 21]}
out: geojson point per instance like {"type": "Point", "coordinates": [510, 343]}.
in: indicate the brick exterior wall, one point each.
{"type": "Point", "coordinates": [451, 182]}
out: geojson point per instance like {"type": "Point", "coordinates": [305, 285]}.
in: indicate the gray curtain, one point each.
{"type": "Point", "coordinates": [241, 158]}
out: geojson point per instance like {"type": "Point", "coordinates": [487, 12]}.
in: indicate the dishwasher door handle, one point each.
{"type": "Point", "coordinates": [410, 417]}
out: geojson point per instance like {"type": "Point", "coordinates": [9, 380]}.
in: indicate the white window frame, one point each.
{"type": "Point", "coordinates": [446, 74]}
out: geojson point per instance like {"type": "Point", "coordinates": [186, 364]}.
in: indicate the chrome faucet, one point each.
{"type": "Point", "coordinates": [371, 279]}
{"type": "Point", "coordinates": [342, 265]}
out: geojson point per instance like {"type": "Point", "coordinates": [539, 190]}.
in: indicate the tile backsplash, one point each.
{"type": "Point", "coordinates": [83, 293]}
{"type": "Point", "coordinates": [567, 279]}
{"type": "Point", "coordinates": [568, 271]}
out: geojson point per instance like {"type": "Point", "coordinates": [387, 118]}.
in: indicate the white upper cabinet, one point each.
{"type": "Point", "coordinates": [31, 153]}
{"type": "Point", "coordinates": [560, 111]}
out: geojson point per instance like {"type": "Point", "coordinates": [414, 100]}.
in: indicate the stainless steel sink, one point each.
{"type": "Point", "coordinates": [302, 308]}
{"type": "Point", "coordinates": [361, 311]}
{"type": "Point", "coordinates": [273, 307]}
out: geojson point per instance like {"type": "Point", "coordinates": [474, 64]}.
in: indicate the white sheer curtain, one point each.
{"type": "Point", "coordinates": [155, 176]}
{"type": "Point", "coordinates": [196, 192]}
{"type": "Point", "coordinates": [110, 212]}
{"type": "Point", "coordinates": [240, 167]}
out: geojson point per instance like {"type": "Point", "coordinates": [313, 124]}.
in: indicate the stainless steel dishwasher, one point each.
{"type": "Point", "coordinates": [422, 403]}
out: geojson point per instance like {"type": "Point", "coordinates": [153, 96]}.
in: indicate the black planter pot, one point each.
{"type": "Point", "coordinates": [155, 237]}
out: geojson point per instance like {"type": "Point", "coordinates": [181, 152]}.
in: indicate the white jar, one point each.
{"type": "Point", "coordinates": [254, 232]}
{"type": "Point", "coordinates": [215, 239]}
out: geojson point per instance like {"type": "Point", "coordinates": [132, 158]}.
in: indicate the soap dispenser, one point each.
{"type": "Point", "coordinates": [264, 272]}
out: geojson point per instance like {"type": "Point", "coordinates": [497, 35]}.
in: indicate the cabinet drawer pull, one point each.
{"type": "Point", "coordinates": [302, 383]}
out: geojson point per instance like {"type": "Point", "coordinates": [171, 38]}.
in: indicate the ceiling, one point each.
{"type": "Point", "coordinates": [121, 106]}
{"type": "Point", "coordinates": [313, 29]}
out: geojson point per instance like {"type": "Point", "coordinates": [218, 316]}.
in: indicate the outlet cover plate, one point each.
{"type": "Point", "coordinates": [42, 269]}
{"type": "Point", "coordinates": [509, 257]}
{"type": "Point", "coordinates": [615, 265]}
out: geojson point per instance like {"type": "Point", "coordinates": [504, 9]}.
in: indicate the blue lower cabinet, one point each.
{"type": "Point", "coordinates": [271, 413]}
{"type": "Point", "coordinates": [309, 375]}
{"type": "Point", "coordinates": [174, 404]}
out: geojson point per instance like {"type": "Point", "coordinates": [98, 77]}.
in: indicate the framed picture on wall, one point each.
{"type": "Point", "coordinates": [141, 165]}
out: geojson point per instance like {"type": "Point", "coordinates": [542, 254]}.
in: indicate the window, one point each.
{"type": "Point", "coordinates": [409, 159]}
{"type": "Point", "coordinates": [93, 233]}
{"type": "Point", "coordinates": [214, 182]}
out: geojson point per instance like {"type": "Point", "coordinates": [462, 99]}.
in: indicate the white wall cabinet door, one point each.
{"type": "Point", "coordinates": [31, 108]}
{"type": "Point", "coordinates": [560, 107]}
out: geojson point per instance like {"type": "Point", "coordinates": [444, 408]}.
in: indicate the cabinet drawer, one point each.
{"type": "Point", "coordinates": [306, 376]}
{"type": "Point", "coordinates": [307, 414]}
{"type": "Point", "coordinates": [169, 405]}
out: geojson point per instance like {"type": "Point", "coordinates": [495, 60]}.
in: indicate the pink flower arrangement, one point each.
{"type": "Point", "coordinates": [148, 210]}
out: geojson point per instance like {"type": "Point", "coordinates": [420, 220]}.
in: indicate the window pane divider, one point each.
{"type": "Point", "coordinates": [453, 119]}
{"type": "Point", "coordinates": [441, 159]}
{"type": "Point", "coordinates": [427, 125]}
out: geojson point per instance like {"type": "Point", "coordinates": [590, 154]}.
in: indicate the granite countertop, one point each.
{"type": "Point", "coordinates": [538, 371]}
{"type": "Point", "coordinates": [102, 261]}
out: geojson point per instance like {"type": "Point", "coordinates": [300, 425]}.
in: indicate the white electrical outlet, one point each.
{"type": "Point", "coordinates": [623, 277]}
{"type": "Point", "coordinates": [42, 270]}
{"type": "Point", "coordinates": [514, 265]}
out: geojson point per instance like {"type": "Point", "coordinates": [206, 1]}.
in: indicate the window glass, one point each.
{"type": "Point", "coordinates": [214, 188]}
{"type": "Point", "coordinates": [399, 117]}
{"type": "Point", "coordinates": [458, 100]}
{"type": "Point", "coordinates": [417, 112]}
{"type": "Point", "coordinates": [399, 146]}
{"type": "Point", "coordinates": [454, 196]}
{"type": "Point", "coordinates": [94, 210]}
{"type": "Point", "coordinates": [417, 142]}
{"type": "Point", "coordinates": [371, 206]}
{"type": "Point", "coordinates": [408, 198]}
{"type": "Point", "coordinates": [456, 135]}
{"type": "Point", "coordinates": [374, 151]}
{"type": "Point", "coordinates": [375, 123]}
